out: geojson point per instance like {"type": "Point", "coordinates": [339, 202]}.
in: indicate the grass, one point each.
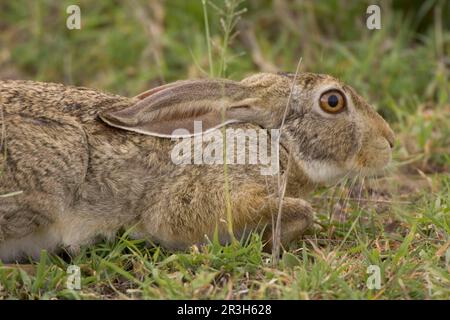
{"type": "Point", "coordinates": [399, 222]}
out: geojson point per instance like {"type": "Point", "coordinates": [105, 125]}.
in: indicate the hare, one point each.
{"type": "Point", "coordinates": [79, 164]}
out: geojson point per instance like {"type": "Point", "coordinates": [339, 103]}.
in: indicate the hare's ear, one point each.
{"type": "Point", "coordinates": [187, 108]}
{"type": "Point", "coordinates": [147, 93]}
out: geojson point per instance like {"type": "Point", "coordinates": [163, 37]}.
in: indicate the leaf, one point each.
{"type": "Point", "coordinates": [290, 261]}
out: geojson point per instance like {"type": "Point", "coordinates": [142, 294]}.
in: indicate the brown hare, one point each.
{"type": "Point", "coordinates": [83, 164]}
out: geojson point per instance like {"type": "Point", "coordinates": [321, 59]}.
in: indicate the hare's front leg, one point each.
{"type": "Point", "coordinates": [193, 210]}
{"type": "Point", "coordinates": [192, 213]}
{"type": "Point", "coordinates": [296, 215]}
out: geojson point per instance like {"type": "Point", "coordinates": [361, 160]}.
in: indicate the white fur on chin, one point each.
{"type": "Point", "coordinates": [322, 172]}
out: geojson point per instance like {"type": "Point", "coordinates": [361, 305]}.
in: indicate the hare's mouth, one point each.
{"type": "Point", "coordinates": [326, 173]}
{"type": "Point", "coordinates": [373, 161]}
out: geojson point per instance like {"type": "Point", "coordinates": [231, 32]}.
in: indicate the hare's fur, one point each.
{"type": "Point", "coordinates": [83, 179]}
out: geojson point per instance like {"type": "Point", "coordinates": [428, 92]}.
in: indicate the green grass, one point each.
{"type": "Point", "coordinates": [400, 222]}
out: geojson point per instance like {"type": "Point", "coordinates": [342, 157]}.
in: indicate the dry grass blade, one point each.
{"type": "Point", "coordinates": [11, 194]}
{"type": "Point", "coordinates": [2, 131]}
{"type": "Point", "coordinates": [364, 200]}
{"type": "Point", "coordinates": [276, 236]}
{"type": "Point", "coordinates": [248, 39]}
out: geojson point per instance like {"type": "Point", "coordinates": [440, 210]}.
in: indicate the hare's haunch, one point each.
{"type": "Point", "coordinates": [77, 165]}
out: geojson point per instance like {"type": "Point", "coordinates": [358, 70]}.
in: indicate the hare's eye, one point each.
{"type": "Point", "coordinates": [332, 101]}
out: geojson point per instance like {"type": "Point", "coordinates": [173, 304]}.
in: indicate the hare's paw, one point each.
{"type": "Point", "coordinates": [23, 234]}
{"type": "Point", "coordinates": [296, 218]}
{"type": "Point", "coordinates": [294, 223]}
{"type": "Point", "coordinates": [20, 222]}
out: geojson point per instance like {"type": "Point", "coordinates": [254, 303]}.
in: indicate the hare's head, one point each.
{"type": "Point", "coordinates": [330, 130]}
{"type": "Point", "coordinates": [333, 131]}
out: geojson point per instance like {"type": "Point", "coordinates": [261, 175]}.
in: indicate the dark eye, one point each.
{"type": "Point", "coordinates": [332, 101]}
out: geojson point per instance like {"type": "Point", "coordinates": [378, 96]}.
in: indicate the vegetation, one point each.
{"type": "Point", "coordinates": [399, 222]}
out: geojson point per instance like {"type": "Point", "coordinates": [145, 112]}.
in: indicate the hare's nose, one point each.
{"type": "Point", "coordinates": [391, 143]}
{"type": "Point", "coordinates": [390, 137]}
{"type": "Point", "coordinates": [386, 131]}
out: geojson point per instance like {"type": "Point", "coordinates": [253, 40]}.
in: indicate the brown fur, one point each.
{"type": "Point", "coordinates": [82, 178]}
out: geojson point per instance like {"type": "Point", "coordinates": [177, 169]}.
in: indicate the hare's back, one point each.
{"type": "Point", "coordinates": [52, 100]}
{"type": "Point", "coordinates": [43, 144]}
{"type": "Point", "coordinates": [42, 155]}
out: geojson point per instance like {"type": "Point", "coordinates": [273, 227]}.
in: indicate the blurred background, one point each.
{"type": "Point", "coordinates": [127, 47]}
